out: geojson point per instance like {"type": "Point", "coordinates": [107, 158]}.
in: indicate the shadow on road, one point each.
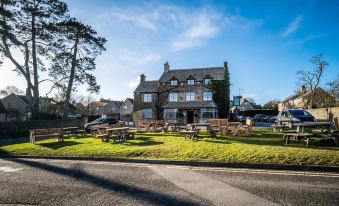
{"type": "Point", "coordinates": [148, 196]}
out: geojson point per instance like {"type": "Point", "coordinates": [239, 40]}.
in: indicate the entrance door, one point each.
{"type": "Point", "coordinates": [190, 117]}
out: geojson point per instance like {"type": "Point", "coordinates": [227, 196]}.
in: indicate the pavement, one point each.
{"type": "Point", "coordinates": [75, 182]}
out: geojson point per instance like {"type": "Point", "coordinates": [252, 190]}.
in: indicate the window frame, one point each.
{"type": "Point", "coordinates": [171, 97]}
{"type": "Point", "coordinates": [188, 97]}
{"type": "Point", "coordinates": [174, 80]}
{"type": "Point", "coordinates": [207, 99]}
{"type": "Point", "coordinates": [147, 97]}
{"type": "Point", "coordinates": [190, 80]}
{"type": "Point", "coordinates": [209, 81]}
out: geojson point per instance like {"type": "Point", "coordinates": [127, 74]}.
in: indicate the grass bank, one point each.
{"type": "Point", "coordinates": [262, 147]}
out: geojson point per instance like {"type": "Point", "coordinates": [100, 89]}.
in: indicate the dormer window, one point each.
{"type": "Point", "coordinates": [190, 82]}
{"type": "Point", "coordinates": [207, 79]}
{"type": "Point", "coordinates": [174, 82]}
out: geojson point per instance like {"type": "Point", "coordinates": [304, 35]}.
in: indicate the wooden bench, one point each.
{"type": "Point", "coordinates": [41, 134]}
{"type": "Point", "coordinates": [297, 136]}
{"type": "Point", "coordinates": [278, 127]}
{"type": "Point", "coordinates": [190, 134]}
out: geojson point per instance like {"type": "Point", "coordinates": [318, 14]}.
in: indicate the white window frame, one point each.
{"type": "Point", "coordinates": [147, 97]}
{"type": "Point", "coordinates": [207, 81]}
{"type": "Point", "coordinates": [190, 96]}
{"type": "Point", "coordinates": [207, 97]}
{"type": "Point", "coordinates": [174, 84]}
{"type": "Point", "coordinates": [173, 97]}
{"type": "Point", "coordinates": [190, 82]}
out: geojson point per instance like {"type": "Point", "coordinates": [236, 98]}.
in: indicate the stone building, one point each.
{"type": "Point", "coordinates": [179, 94]}
{"type": "Point", "coordinates": [126, 110]}
{"type": "Point", "coordinates": [16, 107]}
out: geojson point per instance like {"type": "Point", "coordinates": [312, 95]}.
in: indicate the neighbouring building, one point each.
{"type": "Point", "coordinates": [106, 107]}
{"type": "Point", "coordinates": [126, 110]}
{"type": "Point", "coordinates": [16, 107]}
{"type": "Point", "coordinates": [245, 105]}
{"type": "Point", "coordinates": [299, 100]}
{"type": "Point", "coordinates": [179, 94]}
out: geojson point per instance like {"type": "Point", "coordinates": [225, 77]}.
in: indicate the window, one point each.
{"type": "Point", "coordinates": [207, 81]}
{"type": "Point", "coordinates": [207, 96]}
{"type": "Point", "coordinates": [209, 113]}
{"type": "Point", "coordinates": [147, 97]}
{"type": "Point", "coordinates": [170, 114]}
{"type": "Point", "coordinates": [147, 114]}
{"type": "Point", "coordinates": [190, 96]}
{"type": "Point", "coordinates": [173, 97]}
{"type": "Point", "coordinates": [190, 82]}
{"type": "Point", "coordinates": [174, 82]}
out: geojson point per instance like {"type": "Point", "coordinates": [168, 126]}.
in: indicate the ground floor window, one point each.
{"type": "Point", "coordinates": [147, 114]}
{"type": "Point", "coordinates": [170, 114]}
{"type": "Point", "coordinates": [209, 113]}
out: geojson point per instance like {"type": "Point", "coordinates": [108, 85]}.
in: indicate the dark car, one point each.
{"type": "Point", "coordinates": [261, 118]}
{"type": "Point", "coordinates": [100, 121]}
{"type": "Point", "coordinates": [295, 115]}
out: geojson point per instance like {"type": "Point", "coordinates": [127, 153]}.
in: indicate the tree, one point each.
{"type": "Point", "coordinates": [311, 79]}
{"type": "Point", "coordinates": [9, 90]}
{"type": "Point", "coordinates": [77, 48]}
{"type": "Point", "coordinates": [26, 27]}
{"type": "Point", "coordinates": [333, 88]}
{"type": "Point", "coordinates": [272, 104]}
{"type": "Point", "coordinates": [221, 93]}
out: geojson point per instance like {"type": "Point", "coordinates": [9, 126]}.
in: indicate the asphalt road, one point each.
{"type": "Point", "coordinates": [60, 182]}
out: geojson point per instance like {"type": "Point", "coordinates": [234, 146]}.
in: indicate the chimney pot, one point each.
{"type": "Point", "coordinates": [166, 67]}
{"type": "Point", "coordinates": [142, 78]}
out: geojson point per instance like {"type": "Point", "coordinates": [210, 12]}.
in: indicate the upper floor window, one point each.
{"type": "Point", "coordinates": [173, 97]}
{"type": "Point", "coordinates": [190, 96]}
{"type": "Point", "coordinates": [190, 82]}
{"type": "Point", "coordinates": [147, 97]}
{"type": "Point", "coordinates": [174, 82]}
{"type": "Point", "coordinates": [207, 81]}
{"type": "Point", "coordinates": [207, 96]}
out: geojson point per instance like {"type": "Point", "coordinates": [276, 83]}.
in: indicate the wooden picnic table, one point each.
{"type": "Point", "coordinates": [302, 125]}
{"type": "Point", "coordinates": [70, 130]}
{"type": "Point", "coordinates": [118, 134]}
{"type": "Point", "coordinates": [195, 126]}
{"type": "Point", "coordinates": [234, 126]}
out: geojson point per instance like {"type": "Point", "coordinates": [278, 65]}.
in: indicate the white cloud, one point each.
{"type": "Point", "coordinates": [293, 26]}
{"type": "Point", "coordinates": [140, 21]}
{"type": "Point", "coordinates": [134, 83]}
{"type": "Point", "coordinates": [202, 27]}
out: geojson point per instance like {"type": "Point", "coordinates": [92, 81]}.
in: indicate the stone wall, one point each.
{"type": "Point", "coordinates": [20, 129]}
{"type": "Point", "coordinates": [325, 113]}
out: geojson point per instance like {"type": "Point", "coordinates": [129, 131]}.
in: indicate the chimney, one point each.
{"type": "Point", "coordinates": [166, 67]}
{"type": "Point", "coordinates": [302, 89]}
{"type": "Point", "coordinates": [142, 78]}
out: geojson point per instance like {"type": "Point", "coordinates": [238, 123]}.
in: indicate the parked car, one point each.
{"type": "Point", "coordinates": [100, 121]}
{"type": "Point", "coordinates": [261, 118]}
{"type": "Point", "coordinates": [295, 115]}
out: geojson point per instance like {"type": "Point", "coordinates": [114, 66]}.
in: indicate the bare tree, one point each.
{"type": "Point", "coordinates": [333, 88]}
{"type": "Point", "coordinates": [311, 79]}
{"type": "Point", "coordinates": [272, 104]}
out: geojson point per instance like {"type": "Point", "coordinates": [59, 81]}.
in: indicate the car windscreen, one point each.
{"type": "Point", "coordinates": [298, 113]}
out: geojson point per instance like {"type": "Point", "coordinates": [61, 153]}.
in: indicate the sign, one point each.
{"type": "Point", "coordinates": [236, 100]}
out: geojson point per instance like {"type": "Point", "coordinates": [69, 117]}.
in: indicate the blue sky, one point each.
{"type": "Point", "coordinates": [264, 42]}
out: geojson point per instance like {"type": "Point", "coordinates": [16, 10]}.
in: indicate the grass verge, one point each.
{"type": "Point", "coordinates": [262, 147]}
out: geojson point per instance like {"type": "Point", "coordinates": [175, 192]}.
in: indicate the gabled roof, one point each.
{"type": "Point", "coordinates": [147, 86]}
{"type": "Point", "coordinates": [217, 73]}
{"type": "Point", "coordinates": [131, 100]}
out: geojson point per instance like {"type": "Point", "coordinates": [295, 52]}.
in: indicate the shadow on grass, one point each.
{"type": "Point", "coordinates": [124, 189]}
{"type": "Point", "coordinates": [11, 141]}
{"type": "Point", "coordinates": [144, 141]}
{"type": "Point", "coordinates": [58, 145]}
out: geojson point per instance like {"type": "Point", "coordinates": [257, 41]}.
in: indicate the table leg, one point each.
{"type": "Point", "coordinates": [236, 130]}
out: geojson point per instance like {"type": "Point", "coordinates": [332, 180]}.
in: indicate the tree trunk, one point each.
{"type": "Point", "coordinates": [71, 79]}
{"type": "Point", "coordinates": [35, 99]}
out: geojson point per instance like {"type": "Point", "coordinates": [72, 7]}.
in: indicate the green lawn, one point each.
{"type": "Point", "coordinates": [262, 147]}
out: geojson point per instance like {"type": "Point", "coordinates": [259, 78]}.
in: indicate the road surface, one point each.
{"type": "Point", "coordinates": [69, 182]}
